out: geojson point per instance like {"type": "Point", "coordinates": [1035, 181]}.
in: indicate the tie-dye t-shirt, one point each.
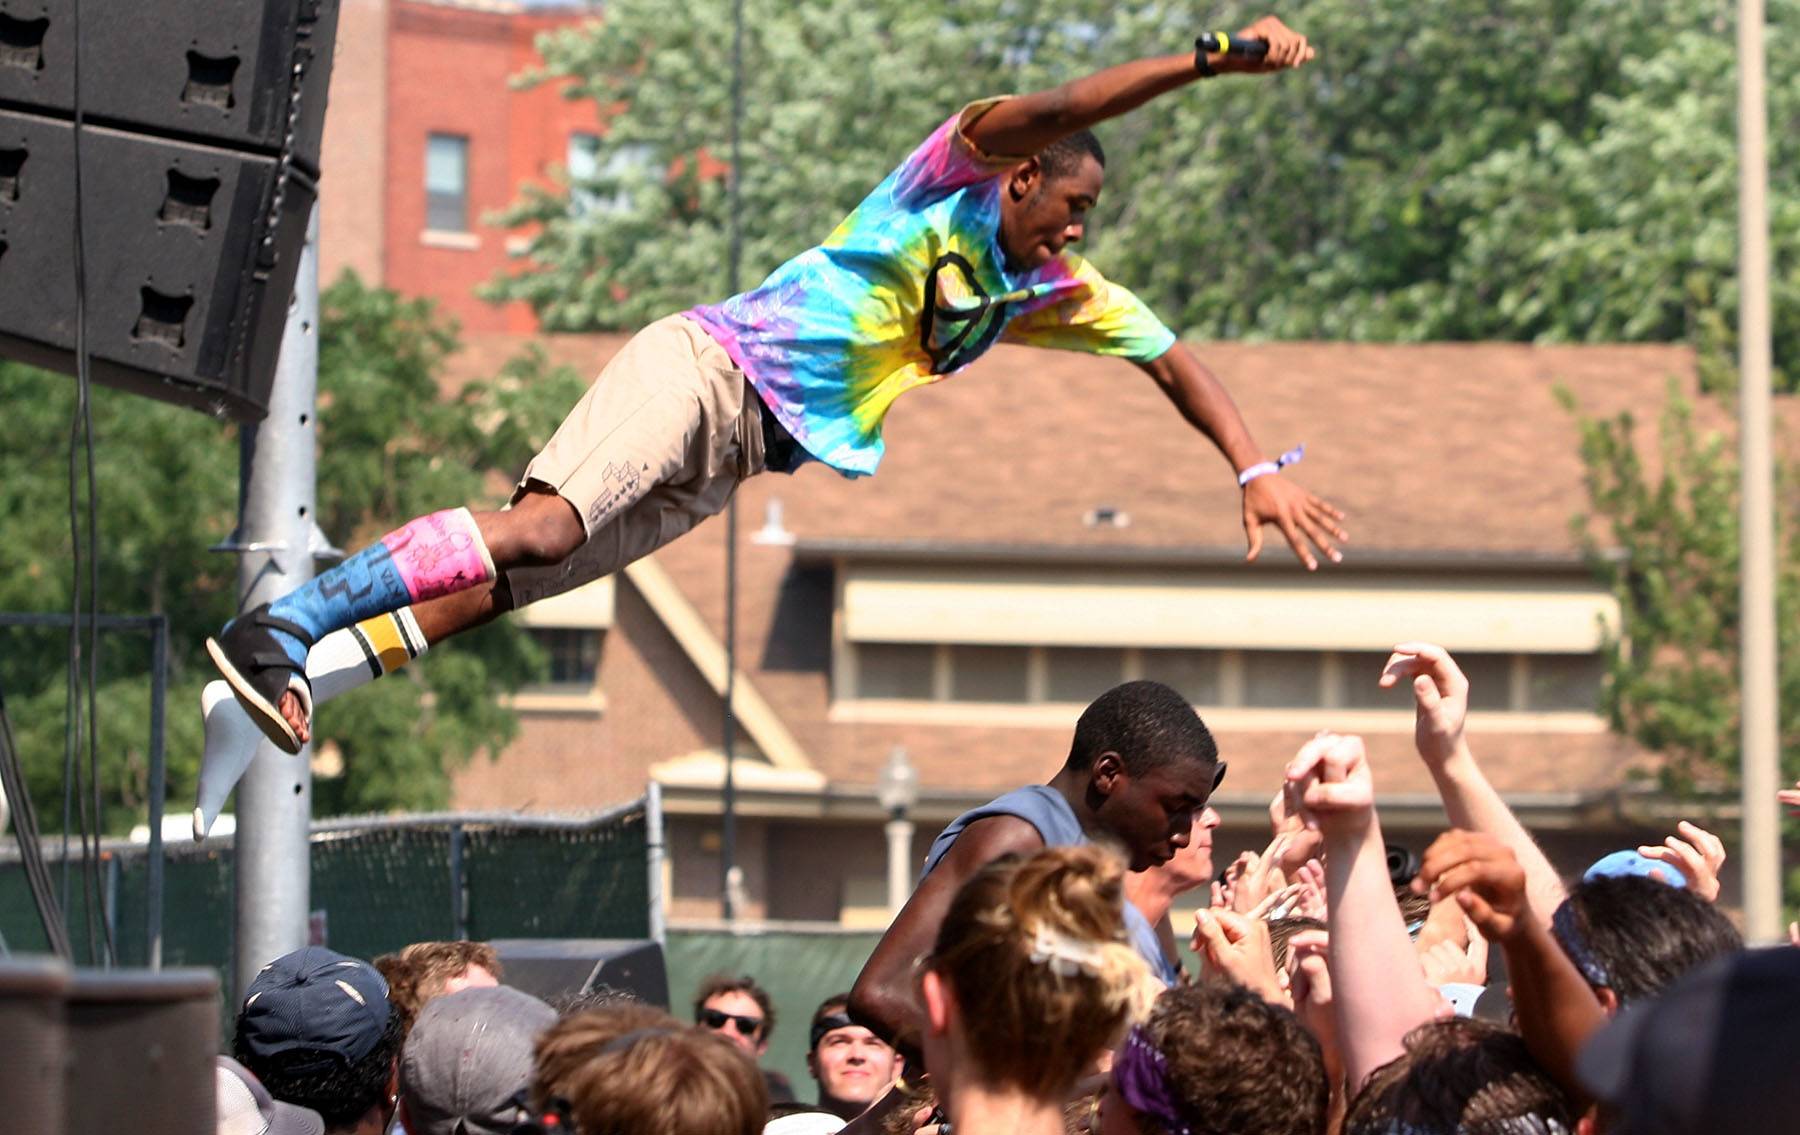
{"type": "Point", "coordinates": [912, 287]}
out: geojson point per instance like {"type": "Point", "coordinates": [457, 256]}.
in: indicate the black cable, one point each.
{"type": "Point", "coordinates": [82, 440]}
{"type": "Point", "coordinates": [26, 835]}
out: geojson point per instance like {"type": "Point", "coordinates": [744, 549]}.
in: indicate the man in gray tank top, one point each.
{"type": "Point", "coordinates": [1138, 776]}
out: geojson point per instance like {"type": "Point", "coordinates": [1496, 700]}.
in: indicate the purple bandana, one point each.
{"type": "Point", "coordinates": [1141, 1075]}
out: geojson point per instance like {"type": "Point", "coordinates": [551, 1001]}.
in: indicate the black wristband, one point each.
{"type": "Point", "coordinates": [1201, 66]}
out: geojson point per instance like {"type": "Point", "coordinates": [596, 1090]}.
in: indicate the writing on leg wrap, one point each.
{"type": "Point", "coordinates": [439, 554]}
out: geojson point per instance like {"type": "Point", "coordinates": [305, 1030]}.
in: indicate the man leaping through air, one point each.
{"type": "Point", "coordinates": [957, 249]}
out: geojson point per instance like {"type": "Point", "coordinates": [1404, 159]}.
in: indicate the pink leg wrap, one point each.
{"type": "Point", "coordinates": [440, 554]}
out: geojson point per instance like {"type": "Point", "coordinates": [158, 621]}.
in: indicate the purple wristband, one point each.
{"type": "Point", "coordinates": [1264, 468]}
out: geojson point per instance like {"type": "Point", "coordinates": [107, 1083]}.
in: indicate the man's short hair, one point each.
{"type": "Point", "coordinates": [1233, 1062]}
{"type": "Point", "coordinates": [635, 1068]}
{"type": "Point", "coordinates": [724, 983]}
{"type": "Point", "coordinates": [1459, 1075]}
{"type": "Point", "coordinates": [1635, 936]}
{"type": "Point", "coordinates": [417, 973]}
{"type": "Point", "coordinates": [317, 1030]}
{"type": "Point", "coordinates": [1148, 724]}
{"type": "Point", "coordinates": [1065, 155]}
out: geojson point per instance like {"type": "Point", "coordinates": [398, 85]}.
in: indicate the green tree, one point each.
{"type": "Point", "coordinates": [836, 93]}
{"type": "Point", "coordinates": [1664, 536]}
{"type": "Point", "coordinates": [391, 445]}
{"type": "Point", "coordinates": [1557, 170]}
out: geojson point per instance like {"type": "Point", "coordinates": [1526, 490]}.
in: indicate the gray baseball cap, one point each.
{"type": "Point", "coordinates": [466, 1060]}
{"type": "Point", "coordinates": [245, 1107]}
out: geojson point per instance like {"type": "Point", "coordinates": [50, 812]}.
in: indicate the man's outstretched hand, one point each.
{"type": "Point", "coordinates": [1305, 520]}
{"type": "Point", "coordinates": [1287, 48]}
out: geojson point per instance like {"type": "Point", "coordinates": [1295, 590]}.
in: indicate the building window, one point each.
{"type": "Point", "coordinates": [612, 168]}
{"type": "Point", "coordinates": [1081, 674]}
{"type": "Point", "coordinates": [574, 657]}
{"type": "Point", "coordinates": [1211, 679]}
{"type": "Point", "coordinates": [1564, 682]}
{"type": "Point", "coordinates": [447, 183]}
{"type": "Point", "coordinates": [895, 670]}
{"type": "Point", "coordinates": [989, 673]}
{"type": "Point", "coordinates": [1282, 679]}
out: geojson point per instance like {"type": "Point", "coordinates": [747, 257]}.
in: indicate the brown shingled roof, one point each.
{"type": "Point", "coordinates": [1455, 448]}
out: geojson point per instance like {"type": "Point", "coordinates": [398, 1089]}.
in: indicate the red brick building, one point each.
{"type": "Point", "coordinates": [427, 139]}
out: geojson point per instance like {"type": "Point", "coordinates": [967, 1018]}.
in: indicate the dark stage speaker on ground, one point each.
{"type": "Point", "coordinates": [199, 169]}
{"type": "Point", "coordinates": [33, 1040]}
{"type": "Point", "coordinates": [140, 1052]}
{"type": "Point", "coordinates": [561, 967]}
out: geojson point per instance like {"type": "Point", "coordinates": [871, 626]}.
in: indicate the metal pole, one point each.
{"type": "Point", "coordinates": [153, 886]}
{"type": "Point", "coordinates": [899, 861]}
{"type": "Point", "coordinates": [459, 885]}
{"type": "Point", "coordinates": [653, 838]}
{"type": "Point", "coordinates": [274, 800]}
{"type": "Point", "coordinates": [1760, 739]}
{"type": "Point", "coordinates": [734, 266]}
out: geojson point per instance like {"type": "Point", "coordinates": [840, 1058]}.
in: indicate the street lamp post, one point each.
{"type": "Point", "coordinates": [898, 791]}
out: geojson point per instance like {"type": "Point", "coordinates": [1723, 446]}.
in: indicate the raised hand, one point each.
{"type": "Point", "coordinates": [1329, 786]}
{"type": "Point", "coordinates": [1447, 963]}
{"type": "Point", "coordinates": [1791, 797]}
{"type": "Point", "coordinates": [1696, 853]}
{"type": "Point", "coordinates": [1440, 696]}
{"type": "Point", "coordinates": [1237, 946]}
{"type": "Point", "coordinates": [1484, 876]}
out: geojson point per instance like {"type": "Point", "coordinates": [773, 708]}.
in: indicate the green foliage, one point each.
{"type": "Point", "coordinates": [391, 446]}
{"type": "Point", "coordinates": [1555, 170]}
{"type": "Point", "coordinates": [1664, 537]}
{"type": "Point", "coordinates": [836, 93]}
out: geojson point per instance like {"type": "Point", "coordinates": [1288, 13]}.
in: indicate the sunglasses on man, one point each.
{"type": "Point", "coordinates": [715, 1020]}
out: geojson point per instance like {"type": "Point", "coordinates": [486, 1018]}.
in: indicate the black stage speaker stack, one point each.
{"type": "Point", "coordinates": [85, 1051]}
{"type": "Point", "coordinates": [560, 968]}
{"type": "Point", "coordinates": [200, 138]}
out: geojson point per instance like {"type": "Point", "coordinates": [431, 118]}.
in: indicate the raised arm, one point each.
{"type": "Point", "coordinates": [885, 998]}
{"type": "Point", "coordinates": [1024, 125]}
{"type": "Point", "coordinates": [1441, 707]}
{"type": "Point", "coordinates": [1378, 987]}
{"type": "Point", "coordinates": [1555, 1008]}
{"type": "Point", "coordinates": [1304, 519]}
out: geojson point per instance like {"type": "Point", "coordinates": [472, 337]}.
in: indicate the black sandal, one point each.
{"type": "Point", "coordinates": [251, 659]}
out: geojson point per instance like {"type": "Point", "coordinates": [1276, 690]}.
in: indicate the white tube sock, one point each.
{"type": "Point", "coordinates": [340, 662]}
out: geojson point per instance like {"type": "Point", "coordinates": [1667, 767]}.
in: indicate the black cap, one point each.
{"type": "Point", "coordinates": [315, 1000]}
{"type": "Point", "coordinates": [1718, 1051]}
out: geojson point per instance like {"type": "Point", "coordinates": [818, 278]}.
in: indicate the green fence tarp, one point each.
{"type": "Point", "coordinates": [799, 969]}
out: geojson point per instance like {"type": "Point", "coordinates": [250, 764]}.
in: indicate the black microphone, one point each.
{"type": "Point", "coordinates": [1219, 43]}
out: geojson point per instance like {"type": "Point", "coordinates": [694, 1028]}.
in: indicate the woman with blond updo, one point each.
{"type": "Point", "coordinates": [1030, 981]}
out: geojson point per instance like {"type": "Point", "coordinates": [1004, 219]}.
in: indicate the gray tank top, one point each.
{"type": "Point", "coordinates": [1045, 809]}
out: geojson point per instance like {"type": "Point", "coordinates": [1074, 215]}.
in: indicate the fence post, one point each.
{"type": "Point", "coordinates": [653, 846]}
{"type": "Point", "coordinates": [459, 894]}
{"type": "Point", "coordinates": [153, 885]}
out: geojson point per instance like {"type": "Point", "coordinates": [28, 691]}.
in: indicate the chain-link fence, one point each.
{"type": "Point", "coordinates": [379, 883]}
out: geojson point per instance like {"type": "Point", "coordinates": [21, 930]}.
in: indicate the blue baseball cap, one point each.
{"type": "Point", "coordinates": [1628, 862]}
{"type": "Point", "coordinates": [314, 1000]}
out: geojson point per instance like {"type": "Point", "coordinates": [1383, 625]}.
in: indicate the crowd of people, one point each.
{"type": "Point", "coordinates": [1032, 983]}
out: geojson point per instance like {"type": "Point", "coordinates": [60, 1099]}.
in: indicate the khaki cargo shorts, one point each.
{"type": "Point", "coordinates": [657, 444]}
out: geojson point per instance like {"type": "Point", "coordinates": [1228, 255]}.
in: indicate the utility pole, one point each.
{"type": "Point", "coordinates": [1760, 739]}
{"type": "Point", "coordinates": [729, 876]}
{"type": "Point", "coordinates": [274, 540]}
